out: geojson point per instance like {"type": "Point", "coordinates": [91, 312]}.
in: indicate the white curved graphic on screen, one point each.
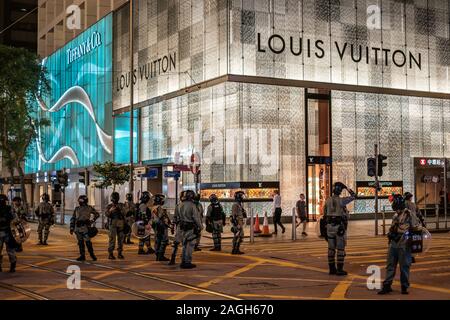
{"type": "Point", "coordinates": [88, 149]}
{"type": "Point", "coordinates": [78, 95]}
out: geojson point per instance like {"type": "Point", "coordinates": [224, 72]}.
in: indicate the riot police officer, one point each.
{"type": "Point", "coordinates": [144, 214]}
{"type": "Point", "coordinates": [21, 212]}
{"type": "Point", "coordinates": [84, 216]}
{"type": "Point", "coordinates": [336, 217]}
{"type": "Point", "coordinates": [115, 212]}
{"type": "Point", "coordinates": [7, 215]}
{"type": "Point", "coordinates": [238, 215]}
{"type": "Point", "coordinates": [399, 252]}
{"type": "Point", "coordinates": [190, 227]}
{"type": "Point", "coordinates": [162, 224]}
{"type": "Point", "coordinates": [215, 216]}
{"type": "Point", "coordinates": [46, 215]}
{"type": "Point", "coordinates": [176, 229]}
{"type": "Point", "coordinates": [411, 206]}
{"type": "Point", "coordinates": [200, 210]}
{"type": "Point", "coordinates": [130, 209]}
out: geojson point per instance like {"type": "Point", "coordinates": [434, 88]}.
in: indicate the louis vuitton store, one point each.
{"type": "Point", "coordinates": [289, 95]}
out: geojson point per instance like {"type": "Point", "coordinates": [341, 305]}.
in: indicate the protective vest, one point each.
{"type": "Point", "coordinates": [83, 213]}
{"type": "Point", "coordinates": [5, 218]}
{"type": "Point", "coordinates": [216, 213]}
{"type": "Point", "coordinates": [45, 209]}
{"type": "Point", "coordinates": [116, 211]}
{"type": "Point", "coordinates": [334, 207]}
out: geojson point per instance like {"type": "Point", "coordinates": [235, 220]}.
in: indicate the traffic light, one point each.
{"type": "Point", "coordinates": [371, 167]}
{"type": "Point", "coordinates": [381, 164]}
{"type": "Point", "coordinates": [84, 177]}
{"type": "Point", "coordinates": [63, 178]}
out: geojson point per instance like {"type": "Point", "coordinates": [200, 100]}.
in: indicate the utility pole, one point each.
{"type": "Point", "coordinates": [377, 187]}
{"type": "Point", "coordinates": [131, 183]}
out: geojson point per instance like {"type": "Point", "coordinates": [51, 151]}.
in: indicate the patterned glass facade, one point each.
{"type": "Point", "coordinates": [79, 104]}
{"type": "Point", "coordinates": [403, 127]}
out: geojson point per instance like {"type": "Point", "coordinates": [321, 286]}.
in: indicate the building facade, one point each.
{"type": "Point", "coordinates": [289, 95]}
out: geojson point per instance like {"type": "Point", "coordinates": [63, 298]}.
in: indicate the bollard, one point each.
{"type": "Point", "coordinates": [294, 225]}
{"type": "Point", "coordinates": [384, 220]}
{"type": "Point", "coordinates": [252, 229]}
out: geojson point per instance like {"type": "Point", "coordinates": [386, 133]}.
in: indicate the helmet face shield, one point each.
{"type": "Point", "coordinates": [145, 197]}
{"type": "Point", "coordinates": [239, 196]}
{"type": "Point", "coordinates": [189, 195]}
{"type": "Point", "coordinates": [129, 197]}
{"type": "Point", "coordinates": [82, 200]}
{"type": "Point", "coordinates": [115, 197]}
{"type": "Point", "coordinates": [159, 199]}
{"type": "Point", "coordinates": [338, 187]}
{"type": "Point", "coordinates": [398, 203]}
{"type": "Point", "coordinates": [213, 198]}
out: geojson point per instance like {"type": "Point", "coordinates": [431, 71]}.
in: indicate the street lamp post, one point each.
{"type": "Point", "coordinates": [131, 183]}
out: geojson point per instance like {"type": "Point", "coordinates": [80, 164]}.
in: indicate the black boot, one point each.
{"type": "Point", "coordinates": [187, 266]}
{"type": "Point", "coordinates": [150, 251]}
{"type": "Point", "coordinates": [386, 289]}
{"type": "Point", "coordinates": [172, 260]}
{"type": "Point", "coordinates": [12, 267]}
{"type": "Point", "coordinates": [340, 270]}
{"type": "Point", "coordinates": [141, 251]}
{"type": "Point", "coordinates": [91, 250]}
{"type": "Point", "coordinates": [19, 248]}
{"type": "Point", "coordinates": [404, 290]}
{"type": "Point", "coordinates": [332, 267]}
{"type": "Point", "coordinates": [82, 256]}
{"type": "Point", "coordinates": [120, 255]}
{"type": "Point", "coordinates": [111, 256]}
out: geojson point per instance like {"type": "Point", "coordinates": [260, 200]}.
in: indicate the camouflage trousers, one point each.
{"type": "Point", "coordinates": [161, 241]}
{"type": "Point", "coordinates": [238, 236]}
{"type": "Point", "coordinates": [10, 250]}
{"type": "Point", "coordinates": [336, 243]}
{"type": "Point", "coordinates": [43, 230]}
{"type": "Point", "coordinates": [217, 227]}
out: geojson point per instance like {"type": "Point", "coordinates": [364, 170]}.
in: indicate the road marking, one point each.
{"type": "Point", "coordinates": [441, 274]}
{"type": "Point", "coordinates": [105, 274]}
{"type": "Point", "coordinates": [219, 279]}
{"type": "Point", "coordinates": [280, 297]}
{"type": "Point", "coordinates": [341, 289]}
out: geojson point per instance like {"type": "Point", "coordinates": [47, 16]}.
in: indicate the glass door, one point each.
{"type": "Point", "coordinates": [318, 146]}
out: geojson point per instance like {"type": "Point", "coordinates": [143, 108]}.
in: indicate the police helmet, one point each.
{"type": "Point", "coordinates": [408, 195]}
{"type": "Point", "coordinates": [3, 200]}
{"type": "Point", "coordinates": [145, 197]}
{"type": "Point", "coordinates": [239, 196]}
{"type": "Point", "coordinates": [129, 197]}
{"type": "Point", "coordinates": [213, 198]}
{"type": "Point", "coordinates": [45, 197]}
{"type": "Point", "coordinates": [83, 200]}
{"type": "Point", "coordinates": [159, 199]}
{"type": "Point", "coordinates": [197, 197]}
{"type": "Point", "coordinates": [338, 187]}
{"type": "Point", "coordinates": [398, 202]}
{"type": "Point", "coordinates": [17, 199]}
{"type": "Point", "coordinates": [115, 197]}
{"type": "Point", "coordinates": [189, 195]}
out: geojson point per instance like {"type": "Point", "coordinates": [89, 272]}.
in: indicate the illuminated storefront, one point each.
{"type": "Point", "coordinates": [290, 94]}
{"type": "Point", "coordinates": [79, 110]}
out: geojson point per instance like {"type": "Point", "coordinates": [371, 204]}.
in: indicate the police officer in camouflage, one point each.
{"type": "Point", "coordinates": [200, 210]}
{"type": "Point", "coordinates": [215, 216]}
{"type": "Point", "coordinates": [7, 215]}
{"type": "Point", "coordinates": [21, 212]}
{"type": "Point", "coordinates": [162, 225]}
{"type": "Point", "coordinates": [130, 209]}
{"type": "Point", "coordinates": [115, 212]}
{"type": "Point", "coordinates": [176, 229]}
{"type": "Point", "coordinates": [336, 217]}
{"type": "Point", "coordinates": [238, 216]}
{"type": "Point", "coordinates": [84, 216]}
{"type": "Point", "coordinates": [144, 214]}
{"type": "Point", "coordinates": [46, 216]}
{"type": "Point", "coordinates": [190, 227]}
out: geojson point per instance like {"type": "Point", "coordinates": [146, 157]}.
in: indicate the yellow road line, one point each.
{"type": "Point", "coordinates": [441, 274]}
{"type": "Point", "coordinates": [218, 279]}
{"type": "Point", "coordinates": [341, 289]}
{"type": "Point", "coordinates": [279, 297]}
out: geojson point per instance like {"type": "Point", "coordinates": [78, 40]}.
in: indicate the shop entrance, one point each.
{"type": "Point", "coordinates": [318, 147]}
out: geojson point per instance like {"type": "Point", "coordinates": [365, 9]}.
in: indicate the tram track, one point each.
{"type": "Point", "coordinates": [138, 274]}
{"type": "Point", "coordinates": [23, 291]}
{"type": "Point", "coordinates": [97, 282]}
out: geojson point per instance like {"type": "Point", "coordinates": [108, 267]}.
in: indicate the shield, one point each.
{"type": "Point", "coordinates": [209, 228]}
{"type": "Point", "coordinates": [140, 230]}
{"type": "Point", "coordinates": [20, 231]}
{"type": "Point", "coordinates": [92, 232]}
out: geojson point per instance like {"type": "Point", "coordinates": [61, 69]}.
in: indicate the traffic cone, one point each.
{"type": "Point", "coordinates": [256, 228]}
{"type": "Point", "coordinates": [266, 231]}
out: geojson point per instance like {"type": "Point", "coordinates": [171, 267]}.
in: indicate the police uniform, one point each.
{"type": "Point", "coordinates": [162, 225]}
{"type": "Point", "coordinates": [144, 214]}
{"type": "Point", "coordinates": [237, 219]}
{"type": "Point", "coordinates": [190, 227]}
{"type": "Point", "coordinates": [399, 249]}
{"type": "Point", "coordinates": [46, 215]}
{"type": "Point", "coordinates": [130, 209]}
{"type": "Point", "coordinates": [200, 211]}
{"type": "Point", "coordinates": [7, 215]}
{"type": "Point", "coordinates": [411, 206]}
{"type": "Point", "coordinates": [178, 238]}
{"type": "Point", "coordinates": [116, 223]}
{"type": "Point", "coordinates": [82, 219]}
{"type": "Point", "coordinates": [336, 231]}
{"type": "Point", "coordinates": [216, 217]}
{"type": "Point", "coordinates": [22, 215]}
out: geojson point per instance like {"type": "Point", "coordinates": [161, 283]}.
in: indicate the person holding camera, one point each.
{"type": "Point", "coordinates": [399, 251]}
